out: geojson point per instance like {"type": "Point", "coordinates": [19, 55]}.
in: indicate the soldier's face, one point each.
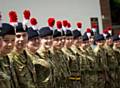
{"type": "Point", "coordinates": [85, 44]}
{"type": "Point", "coordinates": [109, 41]}
{"type": "Point", "coordinates": [100, 43]}
{"type": "Point", "coordinates": [57, 43]}
{"type": "Point", "coordinates": [21, 40]}
{"type": "Point", "coordinates": [77, 42]}
{"type": "Point", "coordinates": [47, 42]}
{"type": "Point", "coordinates": [69, 41]}
{"type": "Point", "coordinates": [33, 44]}
{"type": "Point", "coordinates": [117, 44]}
{"type": "Point", "coordinates": [8, 44]}
{"type": "Point", "coordinates": [91, 40]}
{"type": "Point", "coordinates": [1, 43]}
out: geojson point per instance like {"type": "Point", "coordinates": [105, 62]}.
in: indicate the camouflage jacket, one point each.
{"type": "Point", "coordinates": [7, 73]}
{"type": "Point", "coordinates": [112, 62]}
{"type": "Point", "coordinates": [24, 70]}
{"type": "Point", "coordinates": [42, 69]}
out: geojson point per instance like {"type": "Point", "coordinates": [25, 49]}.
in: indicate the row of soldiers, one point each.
{"type": "Point", "coordinates": [57, 58]}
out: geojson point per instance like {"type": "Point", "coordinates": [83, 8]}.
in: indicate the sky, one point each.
{"type": "Point", "coordinates": [72, 10]}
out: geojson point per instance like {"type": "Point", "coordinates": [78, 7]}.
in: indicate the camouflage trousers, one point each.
{"type": "Point", "coordinates": [112, 82]}
{"type": "Point", "coordinates": [58, 83]}
{"type": "Point", "coordinates": [105, 80]}
{"type": "Point", "coordinates": [89, 81]}
{"type": "Point", "coordinates": [100, 82]}
{"type": "Point", "coordinates": [118, 78]}
{"type": "Point", "coordinates": [74, 84]}
{"type": "Point", "coordinates": [43, 85]}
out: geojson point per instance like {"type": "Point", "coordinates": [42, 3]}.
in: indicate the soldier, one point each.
{"type": "Point", "coordinates": [74, 61]}
{"type": "Point", "coordinates": [46, 38]}
{"type": "Point", "coordinates": [101, 62]}
{"type": "Point", "coordinates": [22, 62]}
{"type": "Point", "coordinates": [111, 62]}
{"type": "Point", "coordinates": [59, 60]}
{"type": "Point", "coordinates": [74, 78]}
{"type": "Point", "coordinates": [87, 63]}
{"type": "Point", "coordinates": [76, 38]}
{"type": "Point", "coordinates": [91, 46]}
{"type": "Point", "coordinates": [42, 68]}
{"type": "Point", "coordinates": [116, 48]}
{"type": "Point", "coordinates": [7, 73]}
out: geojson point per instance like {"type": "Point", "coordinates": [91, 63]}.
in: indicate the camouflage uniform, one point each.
{"type": "Point", "coordinates": [42, 70]}
{"type": "Point", "coordinates": [112, 65]}
{"type": "Point", "coordinates": [74, 67]}
{"type": "Point", "coordinates": [7, 74]}
{"type": "Point", "coordinates": [117, 54]}
{"type": "Point", "coordinates": [90, 53]}
{"type": "Point", "coordinates": [101, 67]}
{"type": "Point", "coordinates": [24, 70]}
{"type": "Point", "coordinates": [87, 70]}
{"type": "Point", "coordinates": [60, 69]}
{"type": "Point", "coordinates": [47, 55]}
{"type": "Point", "coordinates": [43, 53]}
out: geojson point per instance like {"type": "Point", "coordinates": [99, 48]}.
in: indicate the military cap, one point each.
{"type": "Point", "coordinates": [115, 38]}
{"type": "Point", "coordinates": [68, 33]}
{"type": "Point", "coordinates": [99, 37]}
{"type": "Point", "coordinates": [20, 27]}
{"type": "Point", "coordinates": [108, 36]}
{"type": "Point", "coordinates": [89, 32]}
{"type": "Point", "coordinates": [32, 33]}
{"type": "Point", "coordinates": [45, 31]}
{"type": "Point", "coordinates": [33, 30]}
{"type": "Point", "coordinates": [58, 32]}
{"type": "Point", "coordinates": [85, 37]}
{"type": "Point", "coordinates": [7, 29]}
{"type": "Point", "coordinates": [76, 33]}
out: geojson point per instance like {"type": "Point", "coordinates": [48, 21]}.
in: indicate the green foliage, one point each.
{"type": "Point", "coordinates": [117, 1]}
{"type": "Point", "coordinates": [115, 11]}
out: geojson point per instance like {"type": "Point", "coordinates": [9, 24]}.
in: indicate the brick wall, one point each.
{"type": "Point", "coordinates": [105, 13]}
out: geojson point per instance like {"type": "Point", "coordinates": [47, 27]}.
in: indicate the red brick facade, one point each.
{"type": "Point", "coordinates": [105, 13]}
{"type": "Point", "coordinates": [106, 16]}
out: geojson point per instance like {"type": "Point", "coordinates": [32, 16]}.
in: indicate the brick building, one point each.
{"type": "Point", "coordinates": [106, 16]}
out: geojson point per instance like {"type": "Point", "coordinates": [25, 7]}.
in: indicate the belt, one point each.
{"type": "Point", "coordinates": [75, 78]}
